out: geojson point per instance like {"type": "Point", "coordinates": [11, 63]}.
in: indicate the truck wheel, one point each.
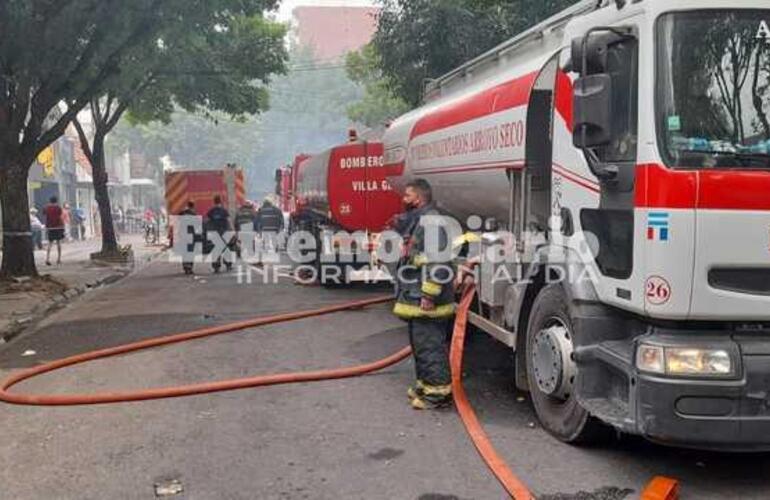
{"type": "Point", "coordinates": [551, 370]}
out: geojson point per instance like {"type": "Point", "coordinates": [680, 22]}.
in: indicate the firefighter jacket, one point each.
{"type": "Point", "coordinates": [269, 219]}
{"type": "Point", "coordinates": [424, 272]}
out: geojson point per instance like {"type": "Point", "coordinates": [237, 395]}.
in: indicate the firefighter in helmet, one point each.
{"type": "Point", "coordinates": [425, 298]}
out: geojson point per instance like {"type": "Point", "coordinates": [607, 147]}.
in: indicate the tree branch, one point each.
{"type": "Point", "coordinates": [85, 146]}
{"type": "Point", "coordinates": [22, 92]}
{"type": "Point", "coordinates": [128, 99]}
{"type": "Point", "coordinates": [108, 106]}
{"type": "Point", "coordinates": [41, 103]}
{"type": "Point", "coordinates": [96, 111]}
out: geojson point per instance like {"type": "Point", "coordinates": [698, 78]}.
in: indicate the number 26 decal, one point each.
{"type": "Point", "coordinates": [658, 291]}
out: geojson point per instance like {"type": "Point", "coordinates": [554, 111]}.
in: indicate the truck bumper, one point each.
{"type": "Point", "coordinates": [706, 413]}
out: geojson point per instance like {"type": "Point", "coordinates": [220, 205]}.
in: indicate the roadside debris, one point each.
{"type": "Point", "coordinates": [28, 353]}
{"type": "Point", "coordinates": [168, 488]}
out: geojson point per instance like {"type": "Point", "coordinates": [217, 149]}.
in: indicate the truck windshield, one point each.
{"type": "Point", "coordinates": [713, 88]}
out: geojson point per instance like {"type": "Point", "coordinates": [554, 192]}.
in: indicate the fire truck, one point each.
{"type": "Point", "coordinates": [286, 184]}
{"type": "Point", "coordinates": [625, 141]}
{"type": "Point", "coordinates": [342, 196]}
{"type": "Point", "coordinates": [200, 187]}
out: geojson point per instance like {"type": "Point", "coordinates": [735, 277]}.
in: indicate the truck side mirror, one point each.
{"type": "Point", "coordinates": [592, 125]}
{"type": "Point", "coordinates": [588, 54]}
{"type": "Point", "coordinates": [591, 49]}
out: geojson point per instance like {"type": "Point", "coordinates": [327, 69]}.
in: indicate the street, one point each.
{"type": "Point", "coordinates": [341, 439]}
{"type": "Point", "coordinates": [587, 179]}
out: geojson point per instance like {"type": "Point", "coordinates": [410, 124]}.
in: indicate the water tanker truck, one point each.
{"type": "Point", "coordinates": [627, 139]}
{"type": "Point", "coordinates": [343, 198]}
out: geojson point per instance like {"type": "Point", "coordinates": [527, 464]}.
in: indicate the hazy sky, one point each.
{"type": "Point", "coordinates": [288, 5]}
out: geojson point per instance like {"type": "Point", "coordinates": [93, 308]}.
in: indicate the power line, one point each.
{"type": "Point", "coordinates": [318, 68]}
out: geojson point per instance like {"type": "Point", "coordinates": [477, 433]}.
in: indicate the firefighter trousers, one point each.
{"type": "Point", "coordinates": [431, 351]}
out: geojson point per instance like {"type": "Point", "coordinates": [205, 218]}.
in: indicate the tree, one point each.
{"type": "Point", "coordinates": [218, 66]}
{"type": "Point", "coordinates": [421, 39]}
{"type": "Point", "coordinates": [191, 140]}
{"type": "Point", "coordinates": [379, 104]}
{"type": "Point", "coordinates": [64, 53]}
{"type": "Point", "coordinates": [308, 113]}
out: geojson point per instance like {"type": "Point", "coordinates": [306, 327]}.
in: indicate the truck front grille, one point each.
{"type": "Point", "coordinates": [755, 281]}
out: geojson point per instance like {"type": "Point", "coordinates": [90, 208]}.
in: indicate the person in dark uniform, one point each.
{"type": "Point", "coordinates": [218, 221]}
{"type": "Point", "coordinates": [245, 220]}
{"type": "Point", "coordinates": [269, 223]}
{"type": "Point", "coordinates": [187, 265]}
{"type": "Point", "coordinates": [425, 299]}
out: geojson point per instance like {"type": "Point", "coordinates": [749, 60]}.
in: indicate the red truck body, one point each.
{"type": "Point", "coordinates": [200, 187]}
{"type": "Point", "coordinates": [348, 186]}
{"type": "Point", "coordinates": [288, 184]}
{"type": "Point", "coordinates": [284, 189]}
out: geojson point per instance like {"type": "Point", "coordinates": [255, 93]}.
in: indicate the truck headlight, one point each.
{"type": "Point", "coordinates": [688, 361]}
{"type": "Point", "coordinates": [650, 358]}
{"type": "Point", "coordinates": [684, 361]}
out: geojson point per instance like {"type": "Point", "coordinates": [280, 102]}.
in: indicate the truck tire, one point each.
{"type": "Point", "coordinates": [551, 370]}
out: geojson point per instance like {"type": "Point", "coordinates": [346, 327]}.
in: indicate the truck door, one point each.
{"type": "Point", "coordinates": [606, 130]}
{"type": "Point", "coordinates": [539, 146]}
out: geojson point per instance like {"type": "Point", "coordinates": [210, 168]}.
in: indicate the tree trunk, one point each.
{"type": "Point", "coordinates": [18, 252]}
{"type": "Point", "coordinates": [102, 195]}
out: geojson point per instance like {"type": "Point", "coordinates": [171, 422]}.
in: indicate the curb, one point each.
{"type": "Point", "coordinates": [59, 301]}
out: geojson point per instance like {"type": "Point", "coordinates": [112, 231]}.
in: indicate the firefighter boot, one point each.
{"type": "Point", "coordinates": [432, 397]}
{"type": "Point", "coordinates": [415, 390]}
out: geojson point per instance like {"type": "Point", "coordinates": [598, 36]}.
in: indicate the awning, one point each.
{"type": "Point", "coordinates": [143, 182]}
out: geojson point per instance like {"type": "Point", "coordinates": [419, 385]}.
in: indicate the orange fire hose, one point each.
{"type": "Point", "coordinates": [189, 390]}
{"type": "Point", "coordinates": [512, 484]}
{"type": "Point", "coordinates": [502, 472]}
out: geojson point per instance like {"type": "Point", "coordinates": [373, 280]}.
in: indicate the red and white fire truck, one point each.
{"type": "Point", "coordinates": [286, 184]}
{"type": "Point", "coordinates": [200, 187]}
{"type": "Point", "coordinates": [633, 137]}
{"type": "Point", "coordinates": [342, 196]}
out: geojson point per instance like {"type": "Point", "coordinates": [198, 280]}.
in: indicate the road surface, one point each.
{"type": "Point", "coordinates": [351, 439]}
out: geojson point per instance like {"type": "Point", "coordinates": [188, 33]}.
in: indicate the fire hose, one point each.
{"type": "Point", "coordinates": [512, 484]}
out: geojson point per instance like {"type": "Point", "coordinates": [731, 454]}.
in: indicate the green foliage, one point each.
{"type": "Point", "coordinates": [421, 39]}
{"type": "Point", "coordinates": [379, 104]}
{"type": "Point", "coordinates": [307, 114]}
{"type": "Point", "coordinates": [191, 140]}
{"type": "Point", "coordinates": [220, 67]}
{"type": "Point", "coordinates": [74, 51]}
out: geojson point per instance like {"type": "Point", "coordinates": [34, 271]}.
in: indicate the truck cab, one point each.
{"type": "Point", "coordinates": [682, 224]}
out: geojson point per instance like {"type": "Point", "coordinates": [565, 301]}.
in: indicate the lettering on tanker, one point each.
{"type": "Point", "coordinates": [493, 138]}
{"type": "Point", "coordinates": [371, 186]}
{"type": "Point", "coordinates": [361, 162]}
{"type": "Point", "coordinates": [763, 32]}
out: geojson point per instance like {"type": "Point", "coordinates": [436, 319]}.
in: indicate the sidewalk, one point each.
{"type": "Point", "coordinates": [76, 276]}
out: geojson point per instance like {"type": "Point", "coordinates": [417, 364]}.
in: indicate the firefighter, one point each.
{"type": "Point", "coordinates": [218, 221]}
{"type": "Point", "coordinates": [425, 299]}
{"type": "Point", "coordinates": [245, 221]}
{"type": "Point", "coordinates": [246, 216]}
{"type": "Point", "coordinates": [269, 225]}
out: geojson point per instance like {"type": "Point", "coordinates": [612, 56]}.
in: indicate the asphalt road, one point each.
{"type": "Point", "coordinates": [352, 439]}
